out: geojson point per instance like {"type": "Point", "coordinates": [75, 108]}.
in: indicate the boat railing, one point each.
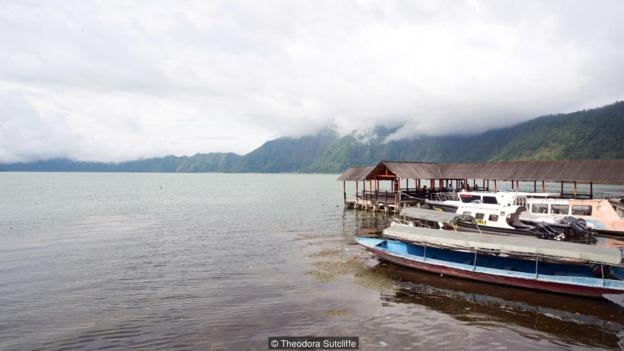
{"type": "Point", "coordinates": [445, 196]}
{"type": "Point", "coordinates": [413, 195]}
{"type": "Point", "coordinates": [379, 196]}
{"type": "Point", "coordinates": [576, 196]}
{"type": "Point", "coordinates": [384, 196]}
{"type": "Point", "coordinates": [613, 195]}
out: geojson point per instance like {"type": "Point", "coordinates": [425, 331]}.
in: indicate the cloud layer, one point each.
{"type": "Point", "coordinates": [121, 80]}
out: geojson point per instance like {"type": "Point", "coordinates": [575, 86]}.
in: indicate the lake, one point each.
{"type": "Point", "coordinates": [224, 261]}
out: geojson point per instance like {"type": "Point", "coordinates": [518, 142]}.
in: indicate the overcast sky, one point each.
{"type": "Point", "coordinates": [121, 80]}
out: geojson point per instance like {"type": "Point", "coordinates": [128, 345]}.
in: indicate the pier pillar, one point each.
{"type": "Point", "coordinates": [591, 190]}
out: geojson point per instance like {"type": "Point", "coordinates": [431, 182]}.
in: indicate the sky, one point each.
{"type": "Point", "coordinates": [122, 80]}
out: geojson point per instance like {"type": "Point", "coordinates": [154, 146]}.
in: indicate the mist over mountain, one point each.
{"type": "Point", "coordinates": [587, 134]}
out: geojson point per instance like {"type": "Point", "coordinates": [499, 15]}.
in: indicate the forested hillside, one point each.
{"type": "Point", "coordinates": [588, 134]}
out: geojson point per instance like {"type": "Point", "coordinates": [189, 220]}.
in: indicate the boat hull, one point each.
{"type": "Point", "coordinates": [439, 267]}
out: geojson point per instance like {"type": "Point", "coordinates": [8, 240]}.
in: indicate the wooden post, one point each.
{"type": "Point", "coordinates": [561, 193]}
{"type": "Point", "coordinates": [357, 183]}
{"type": "Point", "coordinates": [574, 189]}
{"type": "Point", "coordinates": [363, 190]}
{"type": "Point", "coordinates": [397, 194]}
{"type": "Point", "coordinates": [535, 186]}
{"type": "Point", "coordinates": [344, 191]}
{"type": "Point", "coordinates": [591, 190]}
{"type": "Point", "coordinates": [376, 196]}
{"type": "Point", "coordinates": [543, 186]}
{"type": "Point", "coordinates": [494, 185]}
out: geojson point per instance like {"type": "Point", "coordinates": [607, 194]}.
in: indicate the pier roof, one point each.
{"type": "Point", "coordinates": [355, 173]}
{"type": "Point", "coordinates": [412, 170]}
{"type": "Point", "coordinates": [597, 171]}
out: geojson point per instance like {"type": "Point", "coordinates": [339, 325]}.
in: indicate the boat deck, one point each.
{"type": "Point", "coordinates": [428, 215]}
{"type": "Point", "coordinates": [519, 246]}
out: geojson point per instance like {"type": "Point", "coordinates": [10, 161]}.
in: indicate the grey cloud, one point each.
{"type": "Point", "coordinates": [26, 135]}
{"type": "Point", "coordinates": [177, 76]}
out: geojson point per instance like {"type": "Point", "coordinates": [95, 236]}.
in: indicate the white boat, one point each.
{"type": "Point", "coordinates": [450, 201]}
{"type": "Point", "coordinates": [500, 210]}
{"type": "Point", "coordinates": [599, 214]}
{"type": "Point", "coordinates": [494, 219]}
{"type": "Point", "coordinates": [504, 212]}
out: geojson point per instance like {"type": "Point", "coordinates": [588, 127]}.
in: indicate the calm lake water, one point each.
{"type": "Point", "coordinates": [223, 261]}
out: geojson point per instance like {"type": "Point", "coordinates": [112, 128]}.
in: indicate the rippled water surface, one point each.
{"type": "Point", "coordinates": [223, 261]}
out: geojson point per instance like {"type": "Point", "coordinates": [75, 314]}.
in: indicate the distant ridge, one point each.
{"type": "Point", "coordinates": [589, 134]}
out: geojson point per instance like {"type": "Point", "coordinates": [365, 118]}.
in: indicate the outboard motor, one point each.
{"type": "Point", "coordinates": [544, 231]}
{"type": "Point", "coordinates": [577, 228]}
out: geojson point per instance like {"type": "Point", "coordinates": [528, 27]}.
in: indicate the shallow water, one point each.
{"type": "Point", "coordinates": [223, 261]}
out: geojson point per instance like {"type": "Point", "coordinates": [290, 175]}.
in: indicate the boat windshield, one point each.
{"type": "Point", "coordinates": [468, 198]}
{"type": "Point", "coordinates": [490, 200]}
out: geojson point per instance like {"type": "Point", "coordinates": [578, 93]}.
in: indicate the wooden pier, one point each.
{"type": "Point", "coordinates": [390, 186]}
{"type": "Point", "coordinates": [386, 200]}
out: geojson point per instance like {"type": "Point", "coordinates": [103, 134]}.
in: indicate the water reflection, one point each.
{"type": "Point", "coordinates": [366, 223]}
{"type": "Point", "coordinates": [576, 320]}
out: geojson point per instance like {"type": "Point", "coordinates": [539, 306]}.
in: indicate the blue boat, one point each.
{"type": "Point", "coordinates": [559, 267]}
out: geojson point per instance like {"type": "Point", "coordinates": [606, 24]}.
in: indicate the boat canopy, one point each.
{"type": "Point", "coordinates": [518, 246]}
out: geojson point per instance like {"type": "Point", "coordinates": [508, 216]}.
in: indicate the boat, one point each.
{"type": "Point", "coordinates": [497, 219]}
{"type": "Point", "coordinates": [475, 217]}
{"type": "Point", "coordinates": [606, 215]}
{"type": "Point", "coordinates": [616, 199]}
{"type": "Point", "coordinates": [451, 201]}
{"type": "Point", "coordinates": [560, 267]}
{"type": "Point", "coordinates": [600, 214]}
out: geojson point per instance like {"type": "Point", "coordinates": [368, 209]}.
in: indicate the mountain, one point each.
{"type": "Point", "coordinates": [588, 134]}
{"type": "Point", "coordinates": [287, 154]}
